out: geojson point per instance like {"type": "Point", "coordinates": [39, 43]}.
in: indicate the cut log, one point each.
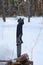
{"type": "Point", "coordinates": [23, 58]}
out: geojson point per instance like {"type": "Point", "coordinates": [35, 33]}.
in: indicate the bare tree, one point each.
{"type": "Point", "coordinates": [3, 9]}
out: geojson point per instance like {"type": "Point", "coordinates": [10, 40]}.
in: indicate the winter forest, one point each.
{"type": "Point", "coordinates": [28, 14]}
{"type": "Point", "coordinates": [21, 7]}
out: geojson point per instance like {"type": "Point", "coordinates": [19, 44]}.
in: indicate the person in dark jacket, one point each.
{"type": "Point", "coordinates": [19, 34]}
{"type": "Point", "coordinates": [19, 31]}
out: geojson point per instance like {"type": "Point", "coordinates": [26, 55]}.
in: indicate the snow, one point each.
{"type": "Point", "coordinates": [32, 38]}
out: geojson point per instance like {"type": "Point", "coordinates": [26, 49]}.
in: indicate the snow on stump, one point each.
{"type": "Point", "coordinates": [23, 58]}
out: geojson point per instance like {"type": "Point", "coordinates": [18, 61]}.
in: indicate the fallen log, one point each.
{"type": "Point", "coordinates": [13, 63]}
{"type": "Point", "coordinates": [4, 60]}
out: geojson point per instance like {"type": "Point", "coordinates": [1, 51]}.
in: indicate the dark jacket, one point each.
{"type": "Point", "coordinates": [19, 28]}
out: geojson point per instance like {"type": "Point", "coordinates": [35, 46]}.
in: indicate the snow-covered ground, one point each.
{"type": "Point", "coordinates": [32, 38]}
